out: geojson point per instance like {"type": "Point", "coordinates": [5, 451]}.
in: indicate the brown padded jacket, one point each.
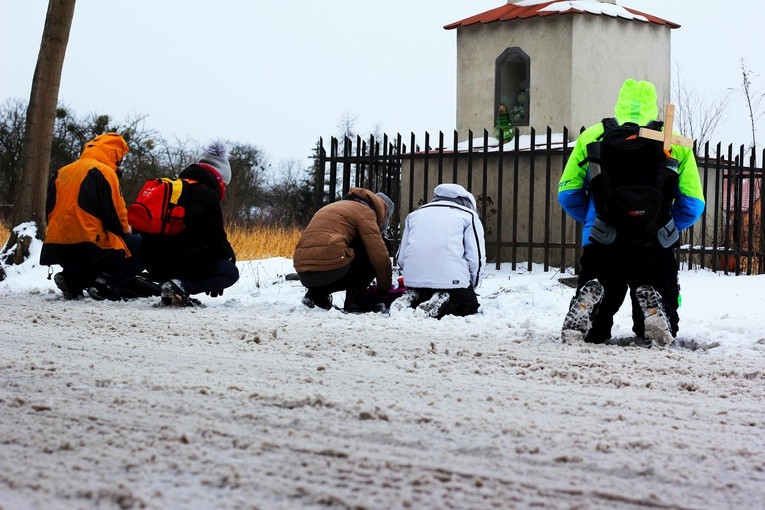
{"type": "Point", "coordinates": [325, 244]}
{"type": "Point", "coordinates": [85, 206]}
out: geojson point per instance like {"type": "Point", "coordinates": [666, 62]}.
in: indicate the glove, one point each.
{"type": "Point", "coordinates": [214, 293]}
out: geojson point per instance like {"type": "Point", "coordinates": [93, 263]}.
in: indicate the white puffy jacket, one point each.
{"type": "Point", "coordinates": [443, 243]}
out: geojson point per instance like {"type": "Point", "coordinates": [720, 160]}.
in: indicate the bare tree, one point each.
{"type": "Point", "coordinates": [697, 117]}
{"type": "Point", "coordinates": [38, 133]}
{"type": "Point", "coordinates": [753, 101]}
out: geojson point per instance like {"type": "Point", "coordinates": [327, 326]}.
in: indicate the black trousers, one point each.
{"type": "Point", "coordinates": [354, 281]}
{"type": "Point", "coordinates": [622, 267]}
{"type": "Point", "coordinates": [462, 302]}
{"type": "Point", "coordinates": [81, 271]}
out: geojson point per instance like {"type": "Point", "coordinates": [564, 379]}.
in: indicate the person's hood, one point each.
{"type": "Point", "coordinates": [378, 204]}
{"type": "Point", "coordinates": [636, 103]}
{"type": "Point", "coordinates": [108, 148]}
{"type": "Point", "coordinates": [455, 193]}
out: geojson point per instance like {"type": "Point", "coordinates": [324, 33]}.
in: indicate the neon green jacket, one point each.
{"type": "Point", "coordinates": [637, 104]}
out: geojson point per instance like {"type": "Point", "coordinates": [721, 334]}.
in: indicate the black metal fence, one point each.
{"type": "Point", "coordinates": [515, 185]}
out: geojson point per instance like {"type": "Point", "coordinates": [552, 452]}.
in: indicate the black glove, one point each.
{"type": "Point", "coordinates": [214, 293]}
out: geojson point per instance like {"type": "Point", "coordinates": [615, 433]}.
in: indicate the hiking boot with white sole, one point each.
{"type": "Point", "coordinates": [434, 306]}
{"type": "Point", "coordinates": [657, 327]}
{"type": "Point", "coordinates": [404, 301]}
{"type": "Point", "coordinates": [578, 320]}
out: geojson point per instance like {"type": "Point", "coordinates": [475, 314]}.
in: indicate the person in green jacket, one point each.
{"type": "Point", "coordinates": [611, 260]}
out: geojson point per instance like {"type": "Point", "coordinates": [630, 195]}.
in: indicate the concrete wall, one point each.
{"type": "Point", "coordinates": [613, 50]}
{"type": "Point", "coordinates": [578, 63]}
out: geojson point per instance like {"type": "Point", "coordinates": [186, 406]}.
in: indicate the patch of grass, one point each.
{"type": "Point", "coordinates": [263, 242]}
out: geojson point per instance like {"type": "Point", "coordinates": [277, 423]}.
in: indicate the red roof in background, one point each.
{"type": "Point", "coordinates": [514, 11]}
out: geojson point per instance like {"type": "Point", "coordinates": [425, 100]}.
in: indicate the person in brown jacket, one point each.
{"type": "Point", "coordinates": [342, 248]}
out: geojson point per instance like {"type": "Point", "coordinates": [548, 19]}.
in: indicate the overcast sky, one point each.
{"type": "Point", "coordinates": [280, 74]}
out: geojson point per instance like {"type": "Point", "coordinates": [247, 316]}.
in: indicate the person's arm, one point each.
{"type": "Point", "coordinates": [102, 199]}
{"type": "Point", "coordinates": [689, 201]}
{"type": "Point", "coordinates": [572, 187]}
{"type": "Point", "coordinates": [401, 255]}
{"type": "Point", "coordinates": [475, 250]}
{"type": "Point", "coordinates": [370, 235]}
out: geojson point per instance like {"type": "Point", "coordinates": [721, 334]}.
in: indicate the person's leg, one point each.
{"type": "Point", "coordinates": [587, 318]}
{"type": "Point", "coordinates": [462, 302]}
{"type": "Point", "coordinates": [614, 291]}
{"type": "Point", "coordinates": [71, 281]}
{"type": "Point", "coordinates": [116, 279]}
{"type": "Point", "coordinates": [435, 306]}
{"type": "Point", "coordinates": [221, 276]}
{"type": "Point", "coordinates": [320, 285]}
{"type": "Point", "coordinates": [79, 269]}
{"type": "Point", "coordinates": [359, 276]}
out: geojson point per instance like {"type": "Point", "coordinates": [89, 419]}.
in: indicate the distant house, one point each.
{"type": "Point", "coordinates": [555, 63]}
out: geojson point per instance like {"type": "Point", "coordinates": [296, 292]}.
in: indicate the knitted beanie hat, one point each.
{"type": "Point", "coordinates": [216, 155]}
{"type": "Point", "coordinates": [388, 210]}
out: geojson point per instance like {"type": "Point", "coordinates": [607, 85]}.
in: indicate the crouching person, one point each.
{"type": "Point", "coordinates": [200, 258]}
{"type": "Point", "coordinates": [88, 233]}
{"type": "Point", "coordinates": [442, 255]}
{"type": "Point", "coordinates": [342, 248]}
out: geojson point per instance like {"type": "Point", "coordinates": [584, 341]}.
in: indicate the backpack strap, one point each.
{"type": "Point", "coordinates": [593, 148]}
{"type": "Point", "coordinates": [609, 123]}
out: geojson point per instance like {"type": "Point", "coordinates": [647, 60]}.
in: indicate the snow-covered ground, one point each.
{"type": "Point", "coordinates": [254, 401]}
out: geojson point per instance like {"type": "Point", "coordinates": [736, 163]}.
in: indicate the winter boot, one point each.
{"type": "Point", "coordinates": [66, 286]}
{"type": "Point", "coordinates": [312, 300]}
{"type": "Point", "coordinates": [433, 307]}
{"type": "Point", "coordinates": [404, 301]}
{"type": "Point", "coordinates": [657, 327]}
{"type": "Point", "coordinates": [141, 286]}
{"type": "Point", "coordinates": [583, 306]}
{"type": "Point", "coordinates": [101, 289]}
{"type": "Point", "coordinates": [173, 294]}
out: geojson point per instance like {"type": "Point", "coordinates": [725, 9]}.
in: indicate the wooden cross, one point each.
{"type": "Point", "coordinates": [666, 136]}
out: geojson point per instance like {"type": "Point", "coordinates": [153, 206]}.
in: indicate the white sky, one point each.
{"type": "Point", "coordinates": [277, 74]}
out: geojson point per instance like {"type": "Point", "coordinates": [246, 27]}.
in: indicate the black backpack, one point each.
{"type": "Point", "coordinates": [633, 183]}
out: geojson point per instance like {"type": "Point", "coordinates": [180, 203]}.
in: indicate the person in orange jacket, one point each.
{"type": "Point", "coordinates": [88, 233]}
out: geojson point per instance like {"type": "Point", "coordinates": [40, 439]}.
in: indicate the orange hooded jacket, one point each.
{"type": "Point", "coordinates": [86, 212]}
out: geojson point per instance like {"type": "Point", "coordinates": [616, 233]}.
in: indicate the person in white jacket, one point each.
{"type": "Point", "coordinates": [442, 255]}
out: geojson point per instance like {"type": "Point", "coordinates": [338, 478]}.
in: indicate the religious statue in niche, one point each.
{"type": "Point", "coordinates": [519, 113]}
{"type": "Point", "coordinates": [505, 131]}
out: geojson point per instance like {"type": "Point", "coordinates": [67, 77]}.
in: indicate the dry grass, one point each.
{"type": "Point", "coordinates": [248, 243]}
{"type": "Point", "coordinates": [263, 242]}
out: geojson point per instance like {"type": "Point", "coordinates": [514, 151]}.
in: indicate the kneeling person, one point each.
{"type": "Point", "coordinates": [343, 248]}
{"type": "Point", "coordinates": [443, 254]}
{"type": "Point", "coordinates": [200, 258]}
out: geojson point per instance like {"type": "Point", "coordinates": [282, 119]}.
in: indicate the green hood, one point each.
{"type": "Point", "coordinates": [636, 103]}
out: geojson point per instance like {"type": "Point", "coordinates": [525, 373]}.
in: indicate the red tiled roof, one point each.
{"type": "Point", "coordinates": [522, 10]}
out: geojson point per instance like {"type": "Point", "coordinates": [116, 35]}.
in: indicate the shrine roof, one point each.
{"type": "Point", "coordinates": [537, 8]}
